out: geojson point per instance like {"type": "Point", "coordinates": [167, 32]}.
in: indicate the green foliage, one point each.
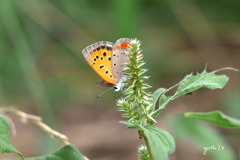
{"type": "Point", "coordinates": [164, 136]}
{"type": "Point", "coordinates": [67, 152]}
{"type": "Point", "coordinates": [143, 153]}
{"type": "Point", "coordinates": [6, 145]}
{"type": "Point", "coordinates": [138, 105]}
{"type": "Point", "coordinates": [140, 108]}
{"type": "Point", "coordinates": [159, 142]}
{"type": "Point", "coordinates": [29, 31]}
{"type": "Point", "coordinates": [192, 83]}
{"type": "Point", "coordinates": [155, 96]}
{"type": "Point", "coordinates": [202, 136]}
{"type": "Point", "coordinates": [136, 101]}
{"type": "Point", "coordinates": [215, 117]}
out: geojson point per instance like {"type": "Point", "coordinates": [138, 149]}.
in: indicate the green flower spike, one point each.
{"type": "Point", "coordinates": [135, 105]}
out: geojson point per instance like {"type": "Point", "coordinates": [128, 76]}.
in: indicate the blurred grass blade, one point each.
{"type": "Point", "coordinates": [6, 145]}
{"type": "Point", "coordinates": [2, 50]}
{"type": "Point", "coordinates": [215, 117]}
{"type": "Point", "coordinates": [125, 15]}
{"type": "Point", "coordinates": [202, 136]}
{"type": "Point", "coordinates": [22, 49]}
{"type": "Point", "coordinates": [67, 152]}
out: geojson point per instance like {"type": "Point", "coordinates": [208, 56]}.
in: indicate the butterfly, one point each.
{"type": "Point", "coordinates": [108, 60]}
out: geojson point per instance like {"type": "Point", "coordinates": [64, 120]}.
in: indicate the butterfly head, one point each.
{"type": "Point", "coordinates": [118, 86]}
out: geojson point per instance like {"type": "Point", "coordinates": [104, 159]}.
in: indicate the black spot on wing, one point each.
{"type": "Point", "coordinates": [109, 48]}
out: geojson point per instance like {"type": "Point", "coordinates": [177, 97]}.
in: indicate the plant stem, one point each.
{"type": "Point", "coordinates": [147, 145]}
{"type": "Point", "coordinates": [36, 120]}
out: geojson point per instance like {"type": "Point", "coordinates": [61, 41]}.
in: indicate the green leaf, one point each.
{"type": "Point", "coordinates": [155, 96]}
{"type": "Point", "coordinates": [6, 145]}
{"type": "Point", "coordinates": [192, 83]}
{"type": "Point", "coordinates": [215, 117]}
{"type": "Point", "coordinates": [202, 136]}
{"type": "Point", "coordinates": [156, 145]}
{"type": "Point", "coordinates": [132, 125]}
{"type": "Point", "coordinates": [157, 112]}
{"type": "Point", "coordinates": [166, 138]}
{"type": "Point", "coordinates": [162, 100]}
{"type": "Point", "coordinates": [209, 80]}
{"type": "Point", "coordinates": [67, 152]}
{"type": "Point", "coordinates": [161, 143]}
{"type": "Point", "coordinates": [129, 124]}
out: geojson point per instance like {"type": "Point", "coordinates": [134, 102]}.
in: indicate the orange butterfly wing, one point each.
{"type": "Point", "coordinates": [99, 56]}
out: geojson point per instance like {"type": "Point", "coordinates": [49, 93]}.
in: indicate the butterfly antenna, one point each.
{"type": "Point", "coordinates": [100, 95]}
{"type": "Point", "coordinates": [117, 95]}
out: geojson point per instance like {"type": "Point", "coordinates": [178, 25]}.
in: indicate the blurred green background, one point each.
{"type": "Point", "coordinates": [43, 72]}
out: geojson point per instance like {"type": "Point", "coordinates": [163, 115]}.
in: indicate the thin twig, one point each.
{"type": "Point", "coordinates": [36, 120]}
